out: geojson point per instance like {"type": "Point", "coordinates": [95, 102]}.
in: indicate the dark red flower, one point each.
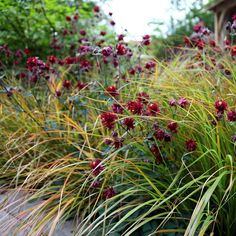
{"type": "Point", "coordinates": [200, 44]}
{"type": "Point", "coordinates": [22, 75]}
{"type": "Point", "coordinates": [227, 72]}
{"type": "Point", "coordinates": [52, 59]}
{"type": "Point", "coordinates": [26, 51]}
{"type": "Point", "coordinates": [146, 40]}
{"type": "Point", "coordinates": [135, 107]}
{"type": "Point", "coordinates": [96, 184]}
{"type": "Point", "coordinates": [231, 115]}
{"type": "Point", "coordinates": [187, 41]}
{"type": "Point", "coordinates": [143, 97]}
{"type": "Point", "coordinates": [138, 69]}
{"type": "Point", "coordinates": [85, 65]}
{"type": "Point", "coordinates": [110, 13]}
{"type": "Point", "coordinates": [112, 90]}
{"type": "Point", "coordinates": [68, 18]}
{"type": "Point", "coordinates": [221, 106]}
{"type": "Point", "coordinates": [191, 145]}
{"type": "Point", "coordinates": [167, 137]}
{"type": "Point", "coordinates": [233, 51]}
{"type": "Point", "coordinates": [108, 119]}
{"type": "Point", "coordinates": [183, 102]}
{"type": "Point", "coordinates": [117, 142]}
{"type": "Point", "coordinates": [212, 43]}
{"type": "Point", "coordinates": [34, 78]}
{"type": "Point", "coordinates": [96, 167]}
{"type": "Point", "coordinates": [96, 9]}
{"type": "Point", "coordinates": [82, 32]}
{"type": "Point", "coordinates": [109, 193]}
{"type": "Point", "coordinates": [156, 153]}
{"type": "Point", "coordinates": [32, 62]}
{"type": "Point", "coordinates": [132, 71]}
{"type": "Point", "coordinates": [172, 126]}
{"type": "Point", "coordinates": [129, 123]}
{"type": "Point", "coordinates": [159, 134]}
{"type": "Point", "coordinates": [117, 108]}
{"type": "Point", "coordinates": [76, 17]}
{"type": "Point", "coordinates": [81, 85]}
{"type": "Point", "coordinates": [227, 42]}
{"type": "Point", "coordinates": [121, 49]}
{"type": "Point", "coordinates": [107, 51]}
{"type": "Point", "coordinates": [103, 33]}
{"type": "Point", "coordinates": [198, 27]}
{"type": "Point", "coordinates": [19, 53]}
{"type": "Point", "coordinates": [112, 22]}
{"type": "Point", "coordinates": [150, 65]}
{"type": "Point", "coordinates": [69, 60]}
{"type": "Point", "coordinates": [66, 84]}
{"type": "Point", "coordinates": [58, 93]}
{"type": "Point", "coordinates": [173, 103]}
{"type": "Point", "coordinates": [121, 37]}
{"type": "Point", "coordinates": [153, 109]}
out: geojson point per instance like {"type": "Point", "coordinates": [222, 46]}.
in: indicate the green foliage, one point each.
{"type": "Point", "coordinates": [31, 24]}
{"type": "Point", "coordinates": [184, 27]}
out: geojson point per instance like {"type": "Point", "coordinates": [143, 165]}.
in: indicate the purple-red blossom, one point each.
{"type": "Point", "coordinates": [109, 193]}
{"type": "Point", "coordinates": [172, 126]}
{"type": "Point", "coordinates": [66, 84]}
{"type": "Point", "coordinates": [221, 106]}
{"type": "Point", "coordinates": [112, 90]}
{"type": "Point", "coordinates": [108, 119]}
{"type": "Point", "coordinates": [135, 107]}
{"type": "Point", "coordinates": [96, 167]}
{"type": "Point", "coordinates": [117, 108]}
{"type": "Point", "coordinates": [191, 145]}
{"type": "Point", "coordinates": [231, 115]}
{"type": "Point", "coordinates": [183, 102]}
{"type": "Point", "coordinates": [153, 109]}
{"type": "Point", "coordinates": [129, 123]}
{"type": "Point", "coordinates": [143, 97]}
{"type": "Point", "coordinates": [121, 49]}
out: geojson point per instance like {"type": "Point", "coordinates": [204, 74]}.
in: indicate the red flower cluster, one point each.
{"type": "Point", "coordinates": [143, 97]}
{"type": "Point", "coordinates": [52, 59]}
{"type": "Point", "coordinates": [221, 106]}
{"type": "Point", "coordinates": [231, 115]}
{"type": "Point", "coordinates": [121, 49]}
{"type": "Point", "coordinates": [150, 65]}
{"type": "Point", "coordinates": [107, 51]}
{"type": "Point", "coordinates": [191, 145]}
{"type": "Point", "coordinates": [108, 119]}
{"type": "Point", "coordinates": [112, 90]}
{"type": "Point", "coordinates": [153, 109]}
{"type": "Point", "coordinates": [183, 102]}
{"type": "Point", "coordinates": [96, 167]}
{"type": "Point", "coordinates": [172, 126]}
{"type": "Point", "coordinates": [117, 108]}
{"type": "Point", "coordinates": [233, 51]}
{"type": "Point", "coordinates": [129, 123]}
{"type": "Point", "coordinates": [135, 107]}
{"type": "Point", "coordinates": [66, 84]}
{"type": "Point", "coordinates": [156, 153]}
{"type": "Point", "coordinates": [146, 40]}
{"type": "Point", "coordinates": [109, 193]}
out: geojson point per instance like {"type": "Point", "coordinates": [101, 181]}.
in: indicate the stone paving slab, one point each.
{"type": "Point", "coordinates": [12, 204]}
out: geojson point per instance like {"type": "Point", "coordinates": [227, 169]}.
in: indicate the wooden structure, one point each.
{"type": "Point", "coordinates": [223, 10]}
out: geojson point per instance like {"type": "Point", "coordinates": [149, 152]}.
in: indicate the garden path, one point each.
{"type": "Point", "coordinates": [14, 209]}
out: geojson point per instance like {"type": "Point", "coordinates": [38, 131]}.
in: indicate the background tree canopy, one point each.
{"type": "Point", "coordinates": [32, 23]}
{"type": "Point", "coordinates": [179, 28]}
